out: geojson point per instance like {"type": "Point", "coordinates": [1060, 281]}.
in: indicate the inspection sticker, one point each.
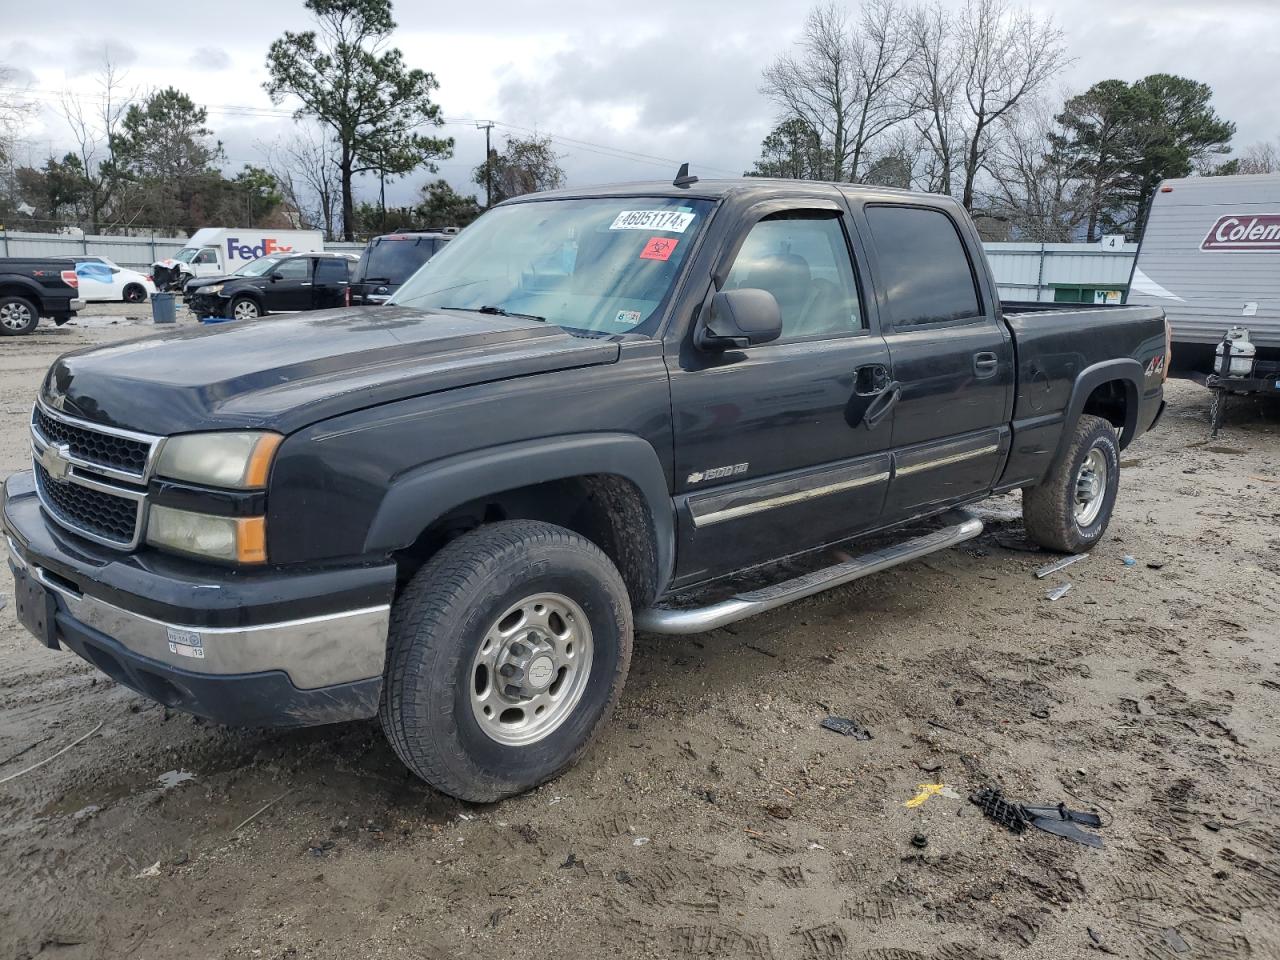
{"type": "Point", "coordinates": [628, 316]}
{"type": "Point", "coordinates": [658, 248]}
{"type": "Point", "coordinates": [186, 643]}
{"type": "Point", "coordinates": [671, 220]}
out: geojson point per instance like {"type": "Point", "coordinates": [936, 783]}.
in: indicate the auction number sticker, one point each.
{"type": "Point", "coordinates": [673, 221]}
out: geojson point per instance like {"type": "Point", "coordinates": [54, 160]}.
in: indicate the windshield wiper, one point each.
{"type": "Point", "coordinates": [496, 312]}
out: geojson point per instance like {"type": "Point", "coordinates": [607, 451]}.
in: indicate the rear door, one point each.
{"type": "Point", "coordinates": [330, 283]}
{"type": "Point", "coordinates": [952, 357]}
{"type": "Point", "coordinates": [772, 455]}
{"type": "Point", "coordinates": [289, 286]}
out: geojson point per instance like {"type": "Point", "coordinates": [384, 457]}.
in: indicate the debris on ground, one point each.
{"type": "Point", "coordinates": [1052, 568]}
{"type": "Point", "coordinates": [36, 766]}
{"type": "Point", "coordinates": [1058, 592]}
{"type": "Point", "coordinates": [845, 727]}
{"type": "Point", "coordinates": [919, 841]}
{"type": "Point", "coordinates": [1129, 561]}
{"type": "Point", "coordinates": [151, 871]}
{"type": "Point", "coordinates": [927, 790]}
{"type": "Point", "coordinates": [1057, 820]}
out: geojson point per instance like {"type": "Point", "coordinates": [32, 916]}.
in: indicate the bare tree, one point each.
{"type": "Point", "coordinates": [846, 81]}
{"type": "Point", "coordinates": [935, 74]}
{"type": "Point", "coordinates": [95, 125]}
{"type": "Point", "coordinates": [306, 168]}
{"type": "Point", "coordinates": [1007, 56]}
{"type": "Point", "coordinates": [1033, 189]}
{"type": "Point", "coordinates": [1261, 158]}
{"type": "Point", "coordinates": [15, 110]}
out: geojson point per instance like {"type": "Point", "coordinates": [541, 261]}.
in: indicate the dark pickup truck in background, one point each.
{"type": "Point", "coordinates": [388, 261]}
{"type": "Point", "coordinates": [589, 414]}
{"type": "Point", "coordinates": [33, 287]}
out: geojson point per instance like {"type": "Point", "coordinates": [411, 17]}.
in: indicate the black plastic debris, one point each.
{"type": "Point", "coordinates": [995, 807]}
{"type": "Point", "coordinates": [1058, 820]}
{"type": "Point", "coordinates": [845, 727]}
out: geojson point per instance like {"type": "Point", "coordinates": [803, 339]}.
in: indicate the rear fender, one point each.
{"type": "Point", "coordinates": [1129, 373]}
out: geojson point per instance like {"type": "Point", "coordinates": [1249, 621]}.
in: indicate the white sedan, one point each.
{"type": "Point", "coordinates": [103, 279]}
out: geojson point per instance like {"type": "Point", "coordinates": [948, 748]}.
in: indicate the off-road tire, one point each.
{"type": "Point", "coordinates": [17, 304]}
{"type": "Point", "coordinates": [437, 625]}
{"type": "Point", "coordinates": [134, 293]}
{"type": "Point", "coordinates": [1048, 509]}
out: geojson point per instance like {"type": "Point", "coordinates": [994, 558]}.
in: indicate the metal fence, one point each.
{"type": "Point", "coordinates": [1023, 271]}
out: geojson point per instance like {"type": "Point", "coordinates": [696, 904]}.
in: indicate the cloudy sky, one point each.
{"type": "Point", "coordinates": [626, 90]}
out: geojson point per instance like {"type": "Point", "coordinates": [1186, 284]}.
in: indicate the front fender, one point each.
{"type": "Point", "coordinates": [422, 495]}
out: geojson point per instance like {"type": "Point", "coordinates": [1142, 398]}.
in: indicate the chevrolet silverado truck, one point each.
{"type": "Point", "coordinates": [588, 415]}
{"type": "Point", "coordinates": [33, 287]}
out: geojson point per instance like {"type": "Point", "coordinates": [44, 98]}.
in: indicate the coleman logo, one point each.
{"type": "Point", "coordinates": [1247, 233]}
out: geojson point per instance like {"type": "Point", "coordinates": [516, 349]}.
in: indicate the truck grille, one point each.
{"type": "Point", "coordinates": [92, 479]}
{"type": "Point", "coordinates": [108, 450]}
{"type": "Point", "coordinates": [84, 510]}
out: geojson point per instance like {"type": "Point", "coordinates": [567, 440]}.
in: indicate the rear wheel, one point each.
{"type": "Point", "coordinates": [18, 315]}
{"type": "Point", "coordinates": [508, 651]}
{"type": "Point", "coordinates": [244, 308]}
{"type": "Point", "coordinates": [135, 293]}
{"type": "Point", "coordinates": [1071, 508]}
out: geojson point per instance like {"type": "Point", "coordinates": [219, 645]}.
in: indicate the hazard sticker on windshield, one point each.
{"type": "Point", "coordinates": [673, 221]}
{"type": "Point", "coordinates": [658, 248]}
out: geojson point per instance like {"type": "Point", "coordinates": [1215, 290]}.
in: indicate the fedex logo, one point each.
{"type": "Point", "coordinates": [244, 251]}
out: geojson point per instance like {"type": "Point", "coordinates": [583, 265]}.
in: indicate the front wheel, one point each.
{"type": "Point", "coordinates": [1070, 509]}
{"type": "Point", "coordinates": [244, 308]}
{"type": "Point", "coordinates": [135, 293]}
{"type": "Point", "coordinates": [508, 651]}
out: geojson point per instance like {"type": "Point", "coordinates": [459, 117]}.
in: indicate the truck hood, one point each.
{"type": "Point", "coordinates": [286, 372]}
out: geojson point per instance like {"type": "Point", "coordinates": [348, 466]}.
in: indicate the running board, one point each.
{"type": "Point", "coordinates": [963, 526]}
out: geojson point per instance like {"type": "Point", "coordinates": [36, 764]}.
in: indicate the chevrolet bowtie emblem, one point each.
{"type": "Point", "coordinates": [54, 459]}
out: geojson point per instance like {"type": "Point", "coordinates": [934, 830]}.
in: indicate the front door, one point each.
{"type": "Point", "coordinates": [952, 358]}
{"type": "Point", "coordinates": [289, 286]}
{"type": "Point", "coordinates": [773, 454]}
{"type": "Point", "coordinates": [206, 263]}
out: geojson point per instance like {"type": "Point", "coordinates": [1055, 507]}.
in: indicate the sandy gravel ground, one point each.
{"type": "Point", "coordinates": [715, 818]}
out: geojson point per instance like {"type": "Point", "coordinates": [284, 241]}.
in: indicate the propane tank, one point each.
{"type": "Point", "coordinates": [1239, 351]}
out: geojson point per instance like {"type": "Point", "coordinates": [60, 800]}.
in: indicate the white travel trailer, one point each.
{"type": "Point", "coordinates": [218, 251]}
{"type": "Point", "coordinates": [1210, 256]}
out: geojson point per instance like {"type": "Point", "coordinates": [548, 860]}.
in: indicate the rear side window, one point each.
{"type": "Point", "coordinates": [331, 270]}
{"type": "Point", "coordinates": [923, 265]}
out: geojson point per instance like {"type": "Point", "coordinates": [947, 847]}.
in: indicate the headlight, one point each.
{"type": "Point", "coordinates": [240, 460]}
{"type": "Point", "coordinates": [238, 539]}
{"type": "Point", "coordinates": [215, 288]}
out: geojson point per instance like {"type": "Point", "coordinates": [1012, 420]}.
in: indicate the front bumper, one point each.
{"type": "Point", "coordinates": [261, 648]}
{"type": "Point", "coordinates": [203, 305]}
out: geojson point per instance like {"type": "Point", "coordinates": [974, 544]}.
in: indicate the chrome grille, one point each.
{"type": "Point", "coordinates": [92, 479]}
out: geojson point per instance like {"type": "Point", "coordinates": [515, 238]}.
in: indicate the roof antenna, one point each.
{"type": "Point", "coordinates": [683, 177]}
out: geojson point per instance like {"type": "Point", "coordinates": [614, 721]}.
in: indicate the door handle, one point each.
{"type": "Point", "coordinates": [985, 365]}
{"type": "Point", "coordinates": [871, 380]}
{"type": "Point", "coordinates": [882, 404]}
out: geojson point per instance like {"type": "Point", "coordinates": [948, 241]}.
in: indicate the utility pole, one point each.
{"type": "Point", "coordinates": [488, 164]}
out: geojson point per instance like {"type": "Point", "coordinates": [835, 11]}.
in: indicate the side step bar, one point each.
{"type": "Point", "coordinates": [961, 527]}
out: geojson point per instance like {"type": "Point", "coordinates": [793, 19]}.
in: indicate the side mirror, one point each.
{"type": "Point", "coordinates": [739, 318]}
{"type": "Point", "coordinates": [274, 277]}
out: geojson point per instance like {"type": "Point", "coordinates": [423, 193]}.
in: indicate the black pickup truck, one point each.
{"type": "Point", "coordinates": [31, 288]}
{"type": "Point", "coordinates": [585, 415]}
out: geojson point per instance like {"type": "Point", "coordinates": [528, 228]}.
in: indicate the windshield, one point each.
{"type": "Point", "coordinates": [603, 265]}
{"type": "Point", "coordinates": [395, 259]}
{"type": "Point", "coordinates": [256, 268]}
{"type": "Point", "coordinates": [186, 254]}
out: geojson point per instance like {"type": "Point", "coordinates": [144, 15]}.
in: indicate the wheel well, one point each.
{"type": "Point", "coordinates": [1110, 401]}
{"type": "Point", "coordinates": [608, 510]}
{"type": "Point", "coordinates": [14, 290]}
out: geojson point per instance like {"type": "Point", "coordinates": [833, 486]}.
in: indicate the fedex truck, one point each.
{"type": "Point", "coordinates": [218, 251]}
{"type": "Point", "coordinates": [1210, 256]}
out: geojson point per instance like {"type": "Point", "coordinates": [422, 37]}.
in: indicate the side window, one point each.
{"type": "Point", "coordinates": [803, 260]}
{"type": "Point", "coordinates": [926, 273]}
{"type": "Point", "coordinates": [331, 270]}
{"type": "Point", "coordinates": [206, 256]}
{"type": "Point", "coordinates": [299, 268]}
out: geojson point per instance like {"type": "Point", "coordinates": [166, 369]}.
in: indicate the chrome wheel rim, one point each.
{"type": "Point", "coordinates": [1091, 487]}
{"type": "Point", "coordinates": [531, 669]}
{"type": "Point", "coordinates": [245, 310]}
{"type": "Point", "coordinates": [15, 316]}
